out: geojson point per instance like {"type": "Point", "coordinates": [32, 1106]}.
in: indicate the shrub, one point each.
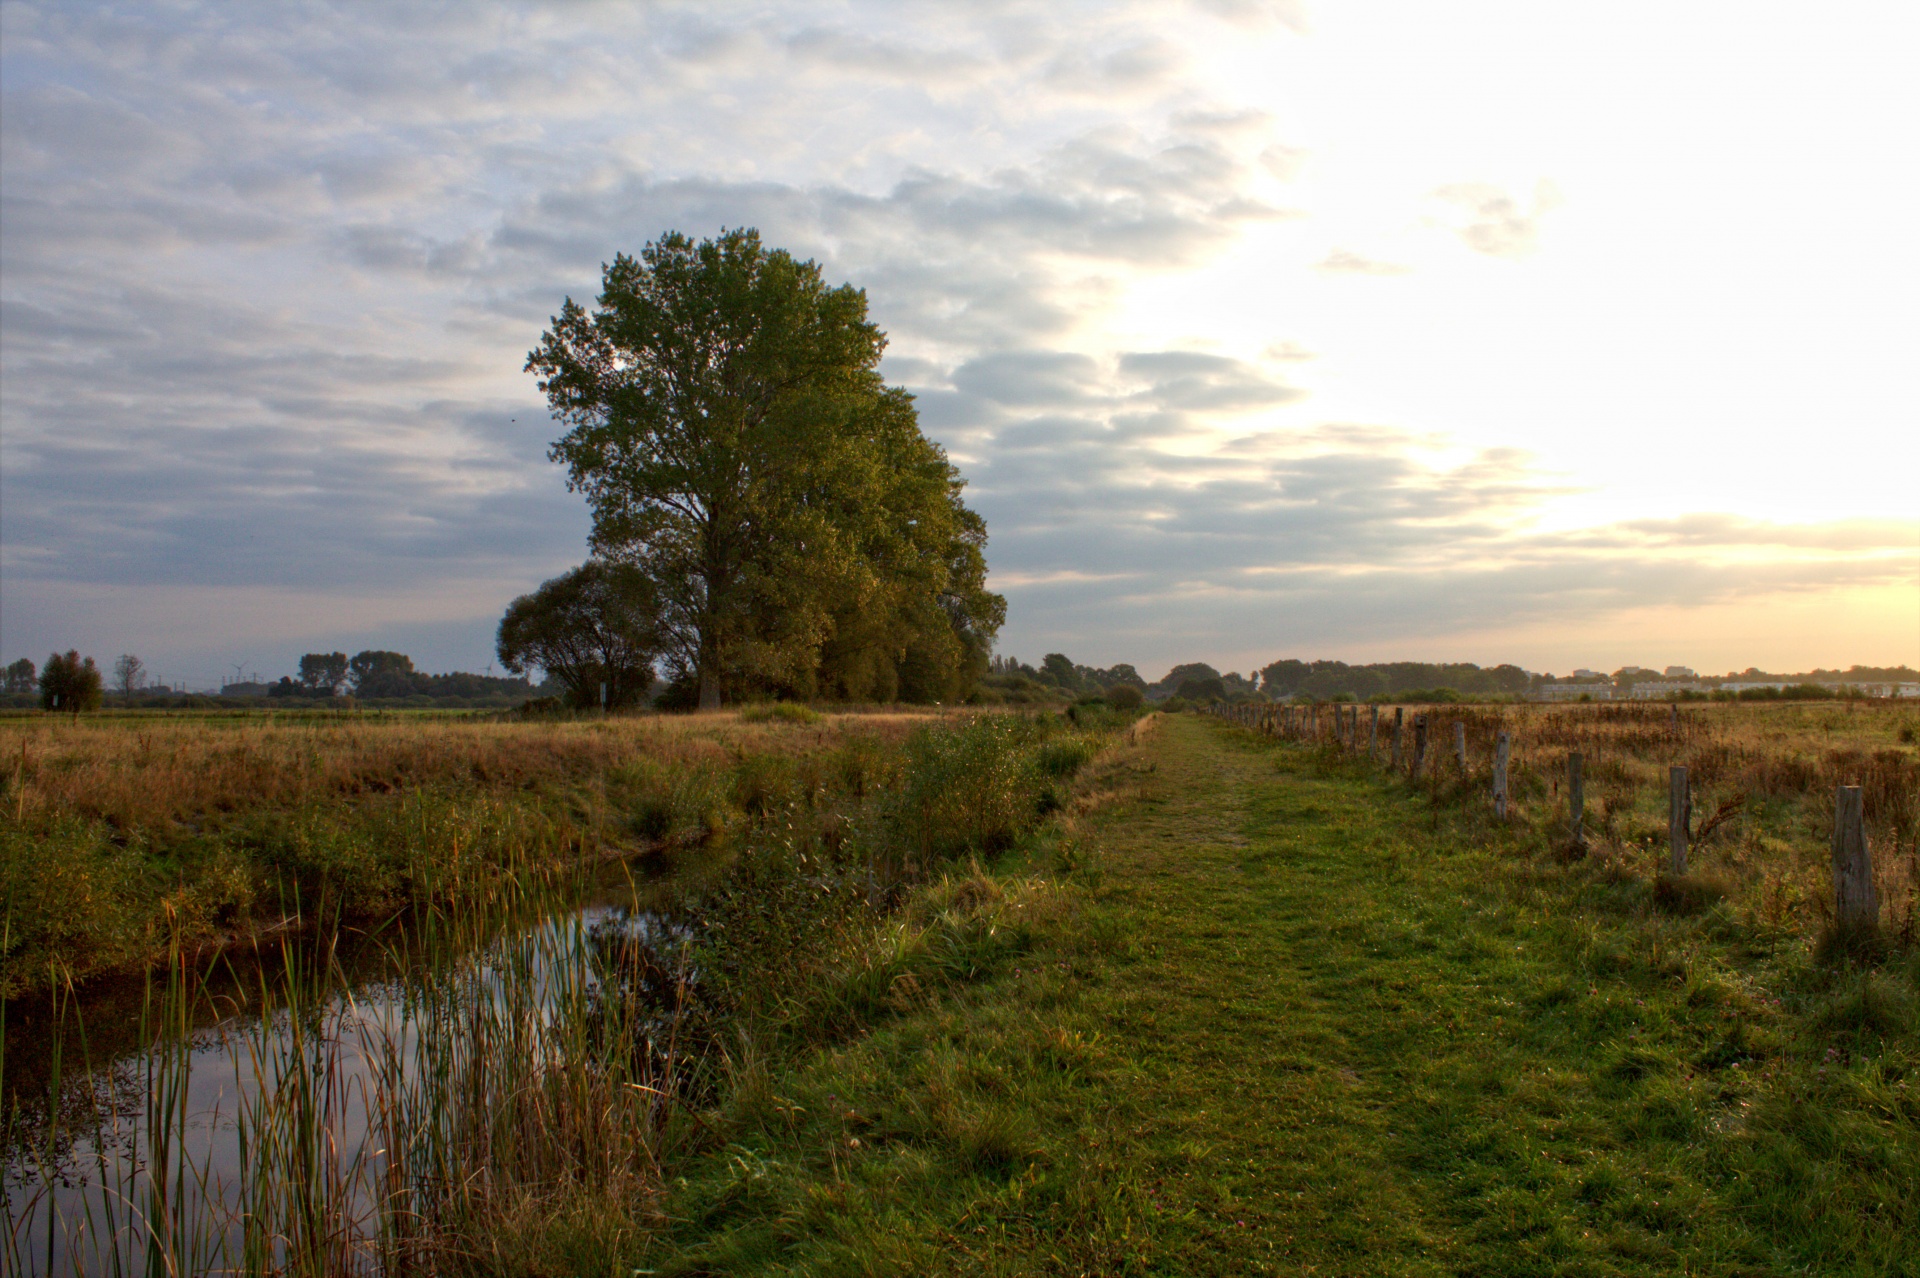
{"type": "Point", "coordinates": [781, 712]}
{"type": "Point", "coordinates": [967, 790]}
{"type": "Point", "coordinates": [1125, 696]}
{"type": "Point", "coordinates": [1064, 758]}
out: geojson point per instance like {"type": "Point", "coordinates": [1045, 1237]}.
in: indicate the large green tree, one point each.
{"type": "Point", "coordinates": [729, 427]}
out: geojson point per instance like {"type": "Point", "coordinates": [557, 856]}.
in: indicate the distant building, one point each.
{"type": "Point", "coordinates": [247, 689]}
{"type": "Point", "coordinates": [1660, 689]}
{"type": "Point", "coordinates": [1573, 691]}
{"type": "Point", "coordinates": [1831, 685]}
{"type": "Point", "coordinates": [1588, 674]}
{"type": "Point", "coordinates": [1680, 672]}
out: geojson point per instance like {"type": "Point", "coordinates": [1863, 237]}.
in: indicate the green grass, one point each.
{"type": "Point", "coordinates": [1269, 1013]}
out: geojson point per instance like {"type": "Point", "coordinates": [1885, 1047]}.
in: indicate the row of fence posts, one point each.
{"type": "Point", "coordinates": [1854, 900]}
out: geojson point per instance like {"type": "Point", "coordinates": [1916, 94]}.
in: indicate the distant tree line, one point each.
{"type": "Point", "coordinates": [378, 675]}
{"type": "Point", "coordinates": [1324, 680]}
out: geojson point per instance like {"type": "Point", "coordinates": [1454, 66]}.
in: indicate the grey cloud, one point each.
{"type": "Point", "coordinates": [842, 49]}
{"type": "Point", "coordinates": [1030, 378]}
{"type": "Point", "coordinates": [1138, 66]}
{"type": "Point", "coordinates": [1200, 382]}
{"type": "Point", "coordinates": [271, 273]}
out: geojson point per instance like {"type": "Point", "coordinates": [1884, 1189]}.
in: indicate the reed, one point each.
{"type": "Point", "coordinates": [122, 837]}
{"type": "Point", "coordinates": [510, 1090]}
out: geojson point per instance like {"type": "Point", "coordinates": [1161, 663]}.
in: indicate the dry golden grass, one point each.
{"type": "Point", "coordinates": [150, 770]}
{"type": "Point", "coordinates": [121, 836]}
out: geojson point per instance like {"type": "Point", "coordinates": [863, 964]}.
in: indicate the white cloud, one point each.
{"type": "Point", "coordinates": [269, 276]}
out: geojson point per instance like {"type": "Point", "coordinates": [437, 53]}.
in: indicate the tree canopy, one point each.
{"type": "Point", "coordinates": [596, 626]}
{"type": "Point", "coordinates": [729, 428]}
{"type": "Point", "coordinates": [70, 682]}
{"type": "Point", "coordinates": [324, 673]}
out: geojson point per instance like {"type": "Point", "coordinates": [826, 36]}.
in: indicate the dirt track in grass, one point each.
{"type": "Point", "coordinates": [1302, 1020]}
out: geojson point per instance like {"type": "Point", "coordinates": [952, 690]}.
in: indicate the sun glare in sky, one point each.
{"type": "Point", "coordinates": [1495, 332]}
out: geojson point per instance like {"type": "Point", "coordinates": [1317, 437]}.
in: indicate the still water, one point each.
{"type": "Point", "coordinates": [301, 1109]}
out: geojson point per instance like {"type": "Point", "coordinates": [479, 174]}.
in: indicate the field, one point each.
{"type": "Point", "coordinates": [1012, 995]}
{"type": "Point", "coordinates": [1761, 783]}
{"type": "Point", "coordinates": [128, 837]}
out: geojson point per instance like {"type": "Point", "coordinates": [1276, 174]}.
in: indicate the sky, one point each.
{"type": "Point", "coordinates": [1551, 334]}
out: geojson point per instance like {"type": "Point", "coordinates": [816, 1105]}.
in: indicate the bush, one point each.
{"type": "Point", "coordinates": [781, 712]}
{"type": "Point", "coordinates": [967, 790]}
{"type": "Point", "coordinates": [1125, 696]}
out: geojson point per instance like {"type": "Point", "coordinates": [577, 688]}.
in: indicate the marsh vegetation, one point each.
{"type": "Point", "coordinates": [434, 995]}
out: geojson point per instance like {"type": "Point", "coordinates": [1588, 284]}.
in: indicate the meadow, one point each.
{"type": "Point", "coordinates": [1761, 781]}
{"type": "Point", "coordinates": [992, 993]}
{"type": "Point", "coordinates": [403, 958]}
{"type": "Point", "coordinates": [125, 838]}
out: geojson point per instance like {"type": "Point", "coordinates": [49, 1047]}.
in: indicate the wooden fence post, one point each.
{"type": "Point", "coordinates": [1501, 746]}
{"type": "Point", "coordinates": [1313, 723]}
{"type": "Point", "coordinates": [1399, 718]}
{"type": "Point", "coordinates": [1576, 800]}
{"type": "Point", "coordinates": [1373, 735]}
{"type": "Point", "coordinates": [1460, 745]}
{"type": "Point", "coordinates": [1419, 744]}
{"type": "Point", "coordinates": [1854, 904]}
{"type": "Point", "coordinates": [1679, 816]}
{"type": "Point", "coordinates": [1675, 721]}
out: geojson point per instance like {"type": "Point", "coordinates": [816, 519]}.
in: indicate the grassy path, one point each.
{"type": "Point", "coordinates": [1308, 1025]}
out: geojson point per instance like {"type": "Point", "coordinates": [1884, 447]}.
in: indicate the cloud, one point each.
{"type": "Point", "coordinates": [271, 275]}
{"type": "Point", "coordinates": [1345, 262]}
{"type": "Point", "coordinates": [1489, 220]}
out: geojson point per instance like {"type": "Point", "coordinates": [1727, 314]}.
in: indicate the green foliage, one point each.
{"type": "Point", "coordinates": [1390, 680]}
{"type": "Point", "coordinates": [368, 668]}
{"type": "Point", "coordinates": [729, 429]}
{"type": "Point", "coordinates": [1201, 690]}
{"type": "Point", "coordinates": [1125, 697]}
{"type": "Point", "coordinates": [324, 673]}
{"type": "Point", "coordinates": [70, 683]}
{"type": "Point", "coordinates": [596, 629]}
{"type": "Point", "coordinates": [1312, 1024]}
{"type": "Point", "coordinates": [20, 676]}
{"type": "Point", "coordinates": [967, 790]}
{"type": "Point", "coordinates": [780, 712]}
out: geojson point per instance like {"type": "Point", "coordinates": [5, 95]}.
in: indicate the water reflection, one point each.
{"type": "Point", "coordinates": [320, 1108]}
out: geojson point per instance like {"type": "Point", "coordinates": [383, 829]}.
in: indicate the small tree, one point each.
{"type": "Point", "coordinates": [599, 624]}
{"type": "Point", "coordinates": [70, 683]}
{"type": "Point", "coordinates": [324, 673]}
{"type": "Point", "coordinates": [21, 676]}
{"type": "Point", "coordinates": [129, 674]}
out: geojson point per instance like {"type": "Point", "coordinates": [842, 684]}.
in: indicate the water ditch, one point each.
{"type": "Point", "coordinates": [334, 1105]}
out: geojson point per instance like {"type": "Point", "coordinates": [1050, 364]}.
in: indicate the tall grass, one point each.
{"type": "Point", "coordinates": [511, 1093]}
{"type": "Point", "coordinates": [121, 838]}
{"type": "Point", "coordinates": [1762, 778]}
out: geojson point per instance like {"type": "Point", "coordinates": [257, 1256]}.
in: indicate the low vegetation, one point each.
{"type": "Point", "coordinates": [124, 838]}
{"type": "Point", "coordinates": [1078, 994]}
